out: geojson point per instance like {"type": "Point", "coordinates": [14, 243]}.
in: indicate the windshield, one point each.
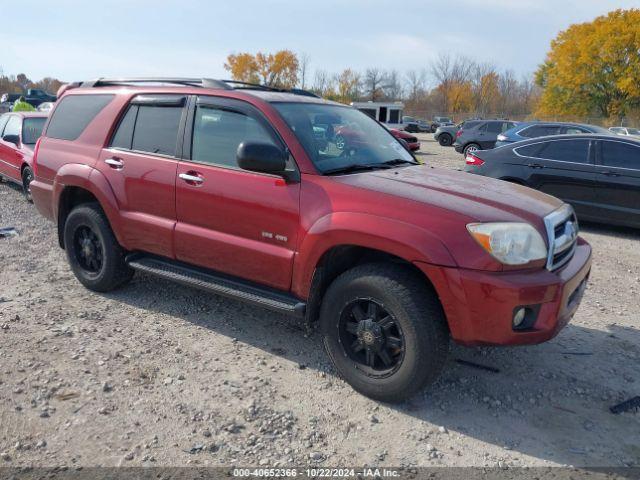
{"type": "Point", "coordinates": [633, 131]}
{"type": "Point", "coordinates": [340, 138]}
{"type": "Point", "coordinates": [32, 129]}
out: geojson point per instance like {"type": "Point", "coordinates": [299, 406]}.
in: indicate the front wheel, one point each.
{"type": "Point", "coordinates": [384, 330]}
{"type": "Point", "coordinates": [27, 178]}
{"type": "Point", "coordinates": [96, 258]}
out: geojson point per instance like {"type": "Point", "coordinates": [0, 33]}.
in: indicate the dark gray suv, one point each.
{"type": "Point", "coordinates": [481, 135]}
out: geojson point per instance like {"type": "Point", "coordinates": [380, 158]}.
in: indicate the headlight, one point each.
{"type": "Point", "coordinates": [510, 243]}
{"type": "Point", "coordinates": [501, 138]}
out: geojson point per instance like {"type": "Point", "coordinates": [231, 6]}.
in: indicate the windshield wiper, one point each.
{"type": "Point", "coordinates": [355, 167]}
{"type": "Point", "coordinates": [399, 161]}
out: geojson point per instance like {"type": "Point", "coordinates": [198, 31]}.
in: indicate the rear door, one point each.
{"type": "Point", "coordinates": [618, 181]}
{"type": "Point", "coordinates": [231, 220]}
{"type": "Point", "coordinates": [140, 163]}
{"type": "Point", "coordinates": [10, 158]}
{"type": "Point", "coordinates": [563, 168]}
{"type": "Point", "coordinates": [488, 133]}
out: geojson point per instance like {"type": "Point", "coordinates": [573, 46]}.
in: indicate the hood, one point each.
{"type": "Point", "coordinates": [478, 198]}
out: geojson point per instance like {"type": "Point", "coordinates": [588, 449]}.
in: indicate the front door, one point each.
{"type": "Point", "coordinates": [231, 220]}
{"type": "Point", "coordinates": [618, 181]}
{"type": "Point", "coordinates": [140, 164]}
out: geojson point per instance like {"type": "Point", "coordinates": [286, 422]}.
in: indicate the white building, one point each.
{"type": "Point", "coordinates": [389, 113]}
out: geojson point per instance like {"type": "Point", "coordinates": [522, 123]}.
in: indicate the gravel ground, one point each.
{"type": "Point", "coordinates": [160, 374]}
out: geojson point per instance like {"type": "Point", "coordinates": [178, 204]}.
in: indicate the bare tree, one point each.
{"type": "Point", "coordinates": [448, 73]}
{"type": "Point", "coordinates": [374, 79]}
{"type": "Point", "coordinates": [392, 85]}
{"type": "Point", "coordinates": [303, 65]}
{"type": "Point", "coordinates": [416, 83]}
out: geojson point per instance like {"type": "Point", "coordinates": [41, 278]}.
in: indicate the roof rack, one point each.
{"type": "Point", "coordinates": [193, 82]}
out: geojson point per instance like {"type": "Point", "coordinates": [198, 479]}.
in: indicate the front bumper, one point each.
{"type": "Point", "coordinates": [414, 146]}
{"type": "Point", "coordinates": [479, 305]}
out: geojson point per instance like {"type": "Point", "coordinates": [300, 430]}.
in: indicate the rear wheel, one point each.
{"type": "Point", "coordinates": [95, 256]}
{"type": "Point", "coordinates": [471, 148]}
{"type": "Point", "coordinates": [384, 330]}
{"type": "Point", "coordinates": [445, 140]}
{"type": "Point", "coordinates": [27, 178]}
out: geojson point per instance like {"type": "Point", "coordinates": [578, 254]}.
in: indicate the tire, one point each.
{"type": "Point", "coordinates": [445, 139]}
{"type": "Point", "coordinates": [27, 178]}
{"type": "Point", "coordinates": [412, 314]}
{"type": "Point", "coordinates": [470, 148]}
{"type": "Point", "coordinates": [96, 258]}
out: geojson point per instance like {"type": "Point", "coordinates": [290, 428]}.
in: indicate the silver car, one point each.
{"type": "Point", "coordinates": [625, 131]}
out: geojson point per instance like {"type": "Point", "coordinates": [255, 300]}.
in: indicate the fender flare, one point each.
{"type": "Point", "coordinates": [93, 181]}
{"type": "Point", "coordinates": [403, 240]}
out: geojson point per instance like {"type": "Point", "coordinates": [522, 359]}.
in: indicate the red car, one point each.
{"type": "Point", "coordinates": [18, 135]}
{"type": "Point", "coordinates": [231, 191]}
{"type": "Point", "coordinates": [347, 136]}
{"type": "Point", "coordinates": [412, 142]}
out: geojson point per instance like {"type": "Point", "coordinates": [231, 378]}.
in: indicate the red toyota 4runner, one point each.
{"type": "Point", "coordinates": [227, 187]}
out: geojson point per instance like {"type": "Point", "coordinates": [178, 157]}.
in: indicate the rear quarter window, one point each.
{"type": "Point", "coordinates": [74, 113]}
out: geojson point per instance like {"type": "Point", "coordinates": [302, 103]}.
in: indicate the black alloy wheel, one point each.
{"type": "Point", "coordinates": [371, 337]}
{"type": "Point", "coordinates": [87, 249]}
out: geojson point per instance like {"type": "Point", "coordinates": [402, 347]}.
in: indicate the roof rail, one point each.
{"type": "Point", "coordinates": [251, 86]}
{"type": "Point", "coordinates": [194, 82]}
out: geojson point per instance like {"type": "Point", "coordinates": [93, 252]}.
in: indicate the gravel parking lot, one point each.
{"type": "Point", "coordinates": [160, 374]}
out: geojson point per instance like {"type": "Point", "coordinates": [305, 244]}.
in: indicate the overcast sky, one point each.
{"type": "Point", "coordinates": [87, 39]}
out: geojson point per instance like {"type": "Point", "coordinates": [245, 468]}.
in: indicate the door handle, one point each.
{"type": "Point", "coordinates": [115, 163]}
{"type": "Point", "coordinates": [192, 178]}
{"type": "Point", "coordinates": [535, 165]}
{"type": "Point", "coordinates": [609, 173]}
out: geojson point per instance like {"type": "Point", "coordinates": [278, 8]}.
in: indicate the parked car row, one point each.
{"type": "Point", "coordinates": [312, 209]}
{"type": "Point", "coordinates": [32, 96]}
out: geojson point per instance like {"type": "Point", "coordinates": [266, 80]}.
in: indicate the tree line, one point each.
{"type": "Point", "coordinates": [591, 73]}
{"type": "Point", "coordinates": [20, 83]}
{"type": "Point", "coordinates": [449, 85]}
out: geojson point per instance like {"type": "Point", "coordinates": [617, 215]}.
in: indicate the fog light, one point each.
{"type": "Point", "coordinates": [518, 317]}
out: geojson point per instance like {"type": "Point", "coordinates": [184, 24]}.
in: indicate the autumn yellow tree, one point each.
{"type": "Point", "coordinates": [243, 67]}
{"type": "Point", "coordinates": [348, 86]}
{"type": "Point", "coordinates": [593, 68]}
{"type": "Point", "coordinates": [278, 69]}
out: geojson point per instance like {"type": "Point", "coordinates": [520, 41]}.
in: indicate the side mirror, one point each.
{"type": "Point", "coordinates": [261, 157]}
{"type": "Point", "coordinates": [15, 139]}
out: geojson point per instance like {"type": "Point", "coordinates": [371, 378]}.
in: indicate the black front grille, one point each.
{"type": "Point", "coordinates": [411, 140]}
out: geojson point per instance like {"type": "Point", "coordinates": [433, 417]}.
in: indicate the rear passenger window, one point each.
{"type": "Point", "coordinates": [620, 154]}
{"type": "Point", "coordinates": [156, 129]}
{"type": "Point", "coordinates": [539, 131]}
{"type": "Point", "coordinates": [74, 113]}
{"type": "Point", "coordinates": [217, 133]}
{"type": "Point", "coordinates": [494, 127]}
{"type": "Point", "coordinates": [124, 133]}
{"type": "Point", "coordinates": [574, 151]}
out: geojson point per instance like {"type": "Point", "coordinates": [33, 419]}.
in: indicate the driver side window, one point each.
{"type": "Point", "coordinates": [218, 132]}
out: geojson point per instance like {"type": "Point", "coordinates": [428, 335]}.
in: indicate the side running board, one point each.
{"type": "Point", "coordinates": [218, 284]}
